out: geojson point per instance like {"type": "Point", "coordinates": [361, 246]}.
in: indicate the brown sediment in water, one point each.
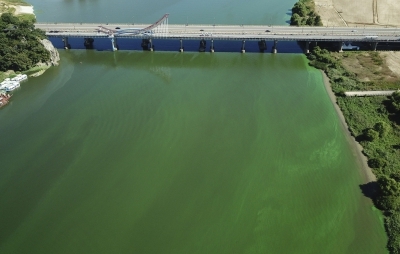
{"type": "Point", "coordinates": [367, 175]}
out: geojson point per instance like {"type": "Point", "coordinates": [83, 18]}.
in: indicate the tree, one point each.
{"type": "Point", "coordinates": [382, 128]}
{"type": "Point", "coordinates": [300, 9]}
{"type": "Point", "coordinates": [295, 20]}
{"type": "Point", "coordinates": [318, 21]}
{"type": "Point", "coordinates": [20, 47]}
{"type": "Point", "coordinates": [395, 101]}
{"type": "Point", "coordinates": [376, 163]}
{"type": "Point", "coordinates": [371, 134]}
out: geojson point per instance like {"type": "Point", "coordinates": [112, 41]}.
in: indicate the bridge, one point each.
{"type": "Point", "coordinates": [213, 32]}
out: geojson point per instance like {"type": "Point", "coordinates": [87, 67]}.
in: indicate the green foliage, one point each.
{"type": "Point", "coordinates": [376, 163]}
{"type": "Point", "coordinates": [303, 13]}
{"type": "Point", "coordinates": [388, 186]}
{"type": "Point", "coordinates": [395, 101]}
{"type": "Point", "coordinates": [371, 134]}
{"type": "Point", "coordinates": [20, 48]}
{"type": "Point", "coordinates": [392, 223]}
{"type": "Point", "coordinates": [381, 142]}
{"type": "Point", "coordinates": [382, 128]}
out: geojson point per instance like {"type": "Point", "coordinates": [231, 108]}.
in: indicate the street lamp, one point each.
{"type": "Point", "coordinates": [214, 25]}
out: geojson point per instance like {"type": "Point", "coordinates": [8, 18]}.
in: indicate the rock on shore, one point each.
{"type": "Point", "coordinates": [54, 56]}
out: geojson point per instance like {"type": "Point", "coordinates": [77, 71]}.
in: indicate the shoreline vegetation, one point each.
{"type": "Point", "coordinates": [304, 14]}
{"type": "Point", "coordinates": [374, 122]}
{"type": "Point", "coordinates": [20, 14]}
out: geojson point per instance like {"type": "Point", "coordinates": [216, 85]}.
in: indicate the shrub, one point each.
{"type": "Point", "coordinates": [376, 163]}
{"type": "Point", "coordinates": [382, 128]}
{"type": "Point", "coordinates": [371, 134]}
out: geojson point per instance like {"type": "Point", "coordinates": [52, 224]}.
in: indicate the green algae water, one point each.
{"type": "Point", "coordinates": [162, 152]}
{"type": "Point", "coordinates": [141, 152]}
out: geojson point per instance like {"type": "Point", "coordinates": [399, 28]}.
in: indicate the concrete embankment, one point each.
{"type": "Point", "coordinates": [369, 93]}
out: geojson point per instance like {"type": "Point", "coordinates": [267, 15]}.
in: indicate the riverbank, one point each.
{"type": "Point", "coordinates": [373, 124]}
{"type": "Point", "coordinates": [366, 171]}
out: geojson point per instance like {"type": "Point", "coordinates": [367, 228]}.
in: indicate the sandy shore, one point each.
{"type": "Point", "coordinates": [23, 10]}
{"type": "Point", "coordinates": [367, 174]}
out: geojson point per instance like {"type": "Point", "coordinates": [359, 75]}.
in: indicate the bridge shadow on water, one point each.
{"type": "Point", "coordinates": [104, 44]}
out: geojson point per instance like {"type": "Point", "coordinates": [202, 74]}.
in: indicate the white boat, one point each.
{"type": "Point", "coordinates": [11, 86]}
{"type": "Point", "coordinates": [20, 77]}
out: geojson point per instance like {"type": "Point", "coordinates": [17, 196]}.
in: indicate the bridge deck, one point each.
{"type": "Point", "coordinates": [230, 32]}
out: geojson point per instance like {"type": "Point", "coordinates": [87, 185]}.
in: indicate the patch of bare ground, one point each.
{"type": "Point", "coordinates": [392, 60]}
{"type": "Point", "coordinates": [356, 13]}
{"type": "Point", "coordinates": [369, 66]}
{"type": "Point", "coordinates": [329, 15]}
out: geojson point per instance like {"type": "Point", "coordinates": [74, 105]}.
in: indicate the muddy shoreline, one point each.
{"type": "Point", "coordinates": [366, 172]}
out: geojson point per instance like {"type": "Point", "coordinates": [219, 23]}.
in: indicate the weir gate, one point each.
{"type": "Point", "coordinates": [212, 38]}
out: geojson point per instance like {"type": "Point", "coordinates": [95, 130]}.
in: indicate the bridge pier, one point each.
{"type": "Point", "coordinates": [202, 47]}
{"type": "Point", "coordinates": [374, 45]}
{"type": "Point", "coordinates": [275, 48]}
{"type": "Point", "coordinates": [151, 45]}
{"type": "Point", "coordinates": [66, 44]}
{"type": "Point", "coordinates": [88, 43]}
{"type": "Point", "coordinates": [262, 45]}
{"type": "Point", "coordinates": [113, 43]}
{"type": "Point", "coordinates": [307, 48]}
{"type": "Point", "coordinates": [212, 46]}
{"type": "Point", "coordinates": [341, 47]}
{"type": "Point", "coordinates": [243, 46]}
{"type": "Point", "coordinates": [181, 48]}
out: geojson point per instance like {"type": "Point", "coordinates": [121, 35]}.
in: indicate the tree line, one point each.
{"type": "Point", "coordinates": [303, 14]}
{"type": "Point", "coordinates": [375, 122]}
{"type": "Point", "coordinates": [20, 46]}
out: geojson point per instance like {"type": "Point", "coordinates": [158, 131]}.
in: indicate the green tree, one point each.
{"type": "Point", "coordinates": [382, 128]}
{"type": "Point", "coordinates": [371, 134]}
{"type": "Point", "coordinates": [296, 20]}
{"type": "Point", "coordinates": [376, 163]}
{"type": "Point", "coordinates": [300, 9]}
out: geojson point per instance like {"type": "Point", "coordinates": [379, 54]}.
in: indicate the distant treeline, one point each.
{"type": "Point", "coordinates": [20, 48]}
{"type": "Point", "coordinates": [375, 123]}
{"type": "Point", "coordinates": [303, 14]}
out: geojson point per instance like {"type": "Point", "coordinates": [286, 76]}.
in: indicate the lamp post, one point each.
{"type": "Point", "coordinates": [214, 26]}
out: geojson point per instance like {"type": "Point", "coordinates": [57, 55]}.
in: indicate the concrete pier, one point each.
{"type": "Point", "coordinates": [374, 45]}
{"type": "Point", "coordinates": [181, 48]}
{"type": "Point", "coordinates": [113, 43]}
{"type": "Point", "coordinates": [243, 46]}
{"type": "Point", "coordinates": [212, 46]}
{"type": "Point", "coordinates": [66, 44]}
{"type": "Point", "coordinates": [307, 48]}
{"type": "Point", "coordinates": [275, 48]}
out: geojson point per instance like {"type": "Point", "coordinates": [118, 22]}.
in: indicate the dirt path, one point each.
{"type": "Point", "coordinates": [375, 11]}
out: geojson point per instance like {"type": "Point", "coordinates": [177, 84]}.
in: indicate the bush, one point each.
{"type": "Point", "coordinates": [376, 163]}
{"type": "Point", "coordinates": [303, 13]}
{"type": "Point", "coordinates": [382, 128]}
{"type": "Point", "coordinates": [371, 134]}
{"type": "Point", "coordinates": [20, 48]}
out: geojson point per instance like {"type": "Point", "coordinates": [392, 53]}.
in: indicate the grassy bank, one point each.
{"type": "Point", "coordinates": [374, 121]}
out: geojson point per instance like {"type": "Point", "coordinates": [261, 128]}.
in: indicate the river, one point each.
{"type": "Point", "coordinates": [167, 152]}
